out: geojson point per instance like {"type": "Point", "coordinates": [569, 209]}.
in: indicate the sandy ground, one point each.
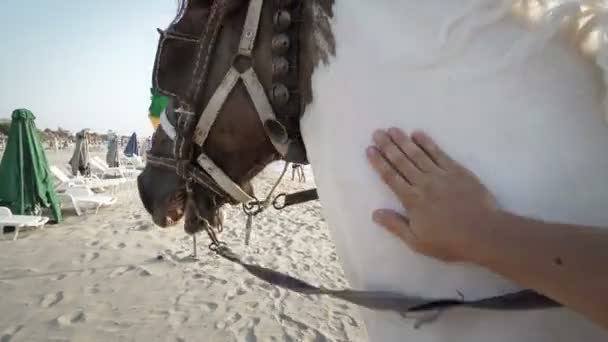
{"type": "Point", "coordinates": [99, 278]}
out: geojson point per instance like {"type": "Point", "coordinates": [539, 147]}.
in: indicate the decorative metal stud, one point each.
{"type": "Point", "coordinates": [280, 44]}
{"type": "Point", "coordinates": [282, 20]}
{"type": "Point", "coordinates": [280, 94]}
{"type": "Point", "coordinates": [280, 67]}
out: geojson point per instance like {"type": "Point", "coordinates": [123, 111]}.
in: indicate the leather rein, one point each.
{"type": "Point", "coordinates": [207, 174]}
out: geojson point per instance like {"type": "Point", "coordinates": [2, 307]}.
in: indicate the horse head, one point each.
{"type": "Point", "coordinates": [250, 126]}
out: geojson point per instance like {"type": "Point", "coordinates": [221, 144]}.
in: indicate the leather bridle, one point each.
{"type": "Point", "coordinates": [205, 172]}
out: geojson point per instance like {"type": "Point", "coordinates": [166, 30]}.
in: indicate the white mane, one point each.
{"type": "Point", "coordinates": [583, 22]}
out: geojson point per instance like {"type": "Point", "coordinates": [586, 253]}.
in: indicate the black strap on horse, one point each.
{"type": "Point", "coordinates": [282, 201]}
{"type": "Point", "coordinates": [390, 301]}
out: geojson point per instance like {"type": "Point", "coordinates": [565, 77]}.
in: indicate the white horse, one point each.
{"type": "Point", "coordinates": [516, 102]}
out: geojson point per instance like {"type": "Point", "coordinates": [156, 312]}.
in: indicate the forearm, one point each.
{"type": "Point", "coordinates": [568, 263]}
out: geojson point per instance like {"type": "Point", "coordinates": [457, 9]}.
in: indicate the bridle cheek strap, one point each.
{"type": "Point", "coordinates": [258, 96]}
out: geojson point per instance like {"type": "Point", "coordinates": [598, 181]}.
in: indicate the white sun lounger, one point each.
{"type": "Point", "coordinates": [93, 182]}
{"type": "Point", "coordinates": [134, 162]}
{"type": "Point", "coordinates": [101, 166]}
{"type": "Point", "coordinates": [81, 197]}
{"type": "Point", "coordinates": [7, 219]}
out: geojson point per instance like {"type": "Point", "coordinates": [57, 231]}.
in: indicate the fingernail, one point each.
{"type": "Point", "coordinates": [377, 215]}
{"type": "Point", "coordinates": [379, 135]}
{"type": "Point", "coordinates": [371, 151]}
{"type": "Point", "coordinates": [394, 130]}
{"type": "Point", "coordinates": [419, 136]}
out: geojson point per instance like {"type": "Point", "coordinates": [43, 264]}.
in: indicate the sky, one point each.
{"type": "Point", "coordinates": [81, 63]}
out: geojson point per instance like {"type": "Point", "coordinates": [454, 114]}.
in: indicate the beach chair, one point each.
{"type": "Point", "coordinates": [100, 165]}
{"type": "Point", "coordinates": [93, 182]}
{"type": "Point", "coordinates": [7, 219]}
{"type": "Point", "coordinates": [82, 197]}
{"type": "Point", "coordinates": [134, 162]}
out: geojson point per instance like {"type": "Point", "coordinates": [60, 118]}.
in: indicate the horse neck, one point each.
{"type": "Point", "coordinates": [394, 24]}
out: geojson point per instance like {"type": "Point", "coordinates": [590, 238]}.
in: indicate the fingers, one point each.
{"type": "Point", "coordinates": [414, 152]}
{"type": "Point", "coordinates": [390, 176]}
{"type": "Point", "coordinates": [432, 149]}
{"type": "Point", "coordinates": [395, 224]}
{"type": "Point", "coordinates": [396, 157]}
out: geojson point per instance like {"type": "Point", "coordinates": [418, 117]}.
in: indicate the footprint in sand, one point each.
{"type": "Point", "coordinates": [59, 277]}
{"type": "Point", "coordinates": [214, 280]}
{"type": "Point", "coordinates": [234, 318]}
{"type": "Point", "coordinates": [120, 271]}
{"type": "Point", "coordinates": [177, 319]}
{"type": "Point", "coordinates": [121, 245]}
{"type": "Point", "coordinates": [344, 317]}
{"type": "Point", "coordinates": [86, 257]}
{"type": "Point", "coordinates": [92, 289]}
{"type": "Point", "coordinates": [143, 225]}
{"type": "Point", "coordinates": [93, 243]}
{"type": "Point", "coordinates": [87, 272]}
{"type": "Point", "coordinates": [276, 293]}
{"type": "Point", "coordinates": [142, 272]}
{"type": "Point", "coordinates": [252, 305]}
{"type": "Point", "coordinates": [230, 295]}
{"type": "Point", "coordinates": [9, 333]}
{"type": "Point", "coordinates": [209, 306]}
{"type": "Point", "coordinates": [51, 299]}
{"type": "Point", "coordinates": [250, 335]}
{"type": "Point", "coordinates": [71, 318]}
{"type": "Point", "coordinates": [301, 330]}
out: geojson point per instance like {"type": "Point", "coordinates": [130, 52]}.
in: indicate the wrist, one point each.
{"type": "Point", "coordinates": [493, 231]}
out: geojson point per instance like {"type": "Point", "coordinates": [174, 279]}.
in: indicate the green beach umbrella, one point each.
{"type": "Point", "coordinates": [26, 183]}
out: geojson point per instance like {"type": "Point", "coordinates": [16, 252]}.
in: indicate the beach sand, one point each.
{"type": "Point", "coordinates": [115, 276]}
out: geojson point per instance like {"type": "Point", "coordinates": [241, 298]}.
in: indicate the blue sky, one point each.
{"type": "Point", "coordinates": [81, 63]}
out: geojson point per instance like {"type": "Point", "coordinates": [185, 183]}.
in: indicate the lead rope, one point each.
{"type": "Point", "coordinates": [255, 208]}
{"type": "Point", "coordinates": [428, 309]}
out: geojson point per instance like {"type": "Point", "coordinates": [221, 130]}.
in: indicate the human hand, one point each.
{"type": "Point", "coordinates": [448, 209]}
